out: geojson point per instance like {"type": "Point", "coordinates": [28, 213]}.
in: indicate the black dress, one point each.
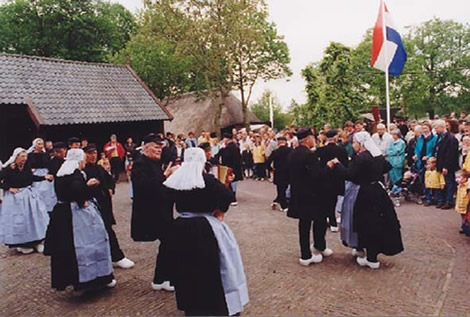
{"type": "Point", "coordinates": [59, 242]}
{"type": "Point", "coordinates": [195, 251]}
{"type": "Point", "coordinates": [375, 219]}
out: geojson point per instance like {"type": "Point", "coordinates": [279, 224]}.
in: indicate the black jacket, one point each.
{"type": "Point", "coordinates": [335, 184]}
{"type": "Point", "coordinates": [280, 158]}
{"type": "Point", "coordinates": [231, 157]}
{"type": "Point", "coordinates": [101, 192]}
{"type": "Point", "coordinates": [152, 214]}
{"type": "Point", "coordinates": [306, 178]}
{"type": "Point", "coordinates": [447, 152]}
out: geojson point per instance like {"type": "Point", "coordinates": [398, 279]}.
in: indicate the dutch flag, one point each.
{"type": "Point", "coordinates": [387, 53]}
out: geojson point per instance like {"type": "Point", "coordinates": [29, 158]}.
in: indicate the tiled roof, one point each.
{"type": "Point", "coordinates": [69, 92]}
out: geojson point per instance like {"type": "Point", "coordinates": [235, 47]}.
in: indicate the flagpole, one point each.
{"type": "Point", "coordinates": [387, 79]}
{"type": "Point", "coordinates": [271, 112]}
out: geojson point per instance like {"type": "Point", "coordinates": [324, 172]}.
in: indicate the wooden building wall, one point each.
{"type": "Point", "coordinates": [17, 129]}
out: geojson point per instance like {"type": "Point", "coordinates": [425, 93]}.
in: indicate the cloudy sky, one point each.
{"type": "Point", "coordinates": [309, 25]}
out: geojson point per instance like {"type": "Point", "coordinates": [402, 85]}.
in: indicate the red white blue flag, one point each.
{"type": "Point", "coordinates": [387, 53]}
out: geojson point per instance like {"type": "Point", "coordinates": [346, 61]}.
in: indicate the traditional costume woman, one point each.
{"type": "Point", "coordinates": [23, 215]}
{"type": "Point", "coordinates": [208, 271]}
{"type": "Point", "coordinates": [76, 238]}
{"type": "Point", "coordinates": [39, 161]}
{"type": "Point", "coordinates": [368, 218]}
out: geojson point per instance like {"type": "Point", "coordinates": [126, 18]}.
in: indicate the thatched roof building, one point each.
{"type": "Point", "coordinates": [196, 114]}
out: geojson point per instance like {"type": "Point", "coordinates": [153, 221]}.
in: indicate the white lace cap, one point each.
{"type": "Point", "coordinates": [189, 175]}
{"type": "Point", "coordinates": [364, 138]}
{"type": "Point", "coordinates": [13, 157]}
{"type": "Point", "coordinates": [33, 145]}
{"type": "Point", "coordinates": [72, 162]}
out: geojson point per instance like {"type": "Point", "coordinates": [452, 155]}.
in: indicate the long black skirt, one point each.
{"type": "Point", "coordinates": [376, 221]}
{"type": "Point", "coordinates": [197, 279]}
{"type": "Point", "coordinates": [59, 245]}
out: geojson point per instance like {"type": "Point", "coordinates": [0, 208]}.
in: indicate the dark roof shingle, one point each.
{"type": "Point", "coordinates": [69, 92]}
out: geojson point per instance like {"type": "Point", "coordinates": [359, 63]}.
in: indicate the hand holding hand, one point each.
{"type": "Point", "coordinates": [93, 182]}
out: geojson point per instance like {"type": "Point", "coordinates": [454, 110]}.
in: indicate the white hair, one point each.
{"type": "Point", "coordinates": [440, 123]}
{"type": "Point", "coordinates": [380, 126]}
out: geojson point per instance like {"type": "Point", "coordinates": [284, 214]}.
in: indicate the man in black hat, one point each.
{"type": "Point", "coordinates": [60, 151]}
{"type": "Point", "coordinates": [74, 143]}
{"type": "Point", "coordinates": [152, 212]}
{"type": "Point", "coordinates": [306, 178]}
{"type": "Point", "coordinates": [231, 157]}
{"type": "Point", "coordinates": [280, 159]}
{"type": "Point", "coordinates": [103, 192]}
{"type": "Point", "coordinates": [334, 185]}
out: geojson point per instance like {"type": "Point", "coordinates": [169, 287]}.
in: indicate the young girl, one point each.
{"type": "Point", "coordinates": [247, 161]}
{"type": "Point", "coordinates": [434, 183]}
{"type": "Point", "coordinates": [461, 202]}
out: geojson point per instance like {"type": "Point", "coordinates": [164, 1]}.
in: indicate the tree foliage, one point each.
{"type": "Point", "coordinates": [261, 110]}
{"type": "Point", "coordinates": [331, 92]}
{"type": "Point", "coordinates": [85, 30]}
{"type": "Point", "coordinates": [229, 45]}
{"type": "Point", "coordinates": [435, 78]}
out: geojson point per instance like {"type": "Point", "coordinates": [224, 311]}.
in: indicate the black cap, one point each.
{"type": "Point", "coordinates": [73, 140]}
{"type": "Point", "coordinates": [331, 134]}
{"type": "Point", "coordinates": [90, 147]}
{"type": "Point", "coordinates": [60, 145]}
{"type": "Point", "coordinates": [303, 133]}
{"type": "Point", "coordinates": [152, 137]}
{"type": "Point", "coordinates": [205, 146]}
{"type": "Point", "coordinates": [282, 138]}
{"type": "Point", "coordinates": [228, 135]}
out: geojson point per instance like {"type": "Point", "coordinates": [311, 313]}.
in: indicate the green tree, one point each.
{"type": "Point", "coordinates": [439, 67]}
{"type": "Point", "coordinates": [333, 96]}
{"type": "Point", "coordinates": [230, 43]}
{"type": "Point", "coordinates": [261, 110]}
{"type": "Point", "coordinates": [86, 30]}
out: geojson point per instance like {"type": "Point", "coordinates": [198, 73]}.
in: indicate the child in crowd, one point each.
{"type": "Point", "coordinates": [461, 201]}
{"type": "Point", "coordinates": [247, 161]}
{"type": "Point", "coordinates": [434, 183]}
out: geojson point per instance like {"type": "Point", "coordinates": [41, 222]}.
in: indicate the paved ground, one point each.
{"type": "Point", "coordinates": [430, 278]}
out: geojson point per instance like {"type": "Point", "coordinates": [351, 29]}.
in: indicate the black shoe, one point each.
{"type": "Point", "coordinates": [439, 205]}
{"type": "Point", "coordinates": [461, 231]}
{"type": "Point", "coordinates": [446, 207]}
{"type": "Point", "coordinates": [427, 204]}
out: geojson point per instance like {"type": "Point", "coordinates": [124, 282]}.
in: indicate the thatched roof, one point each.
{"type": "Point", "coordinates": [193, 113]}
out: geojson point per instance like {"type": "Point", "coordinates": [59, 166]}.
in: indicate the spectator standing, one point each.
{"type": "Point", "coordinates": [382, 138]}
{"type": "Point", "coordinates": [191, 141]}
{"type": "Point", "coordinates": [115, 153]}
{"type": "Point", "coordinates": [447, 154]}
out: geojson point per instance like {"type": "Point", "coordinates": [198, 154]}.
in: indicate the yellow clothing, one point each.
{"type": "Point", "coordinates": [466, 164]}
{"type": "Point", "coordinates": [258, 154]}
{"type": "Point", "coordinates": [461, 202]}
{"type": "Point", "coordinates": [434, 180]}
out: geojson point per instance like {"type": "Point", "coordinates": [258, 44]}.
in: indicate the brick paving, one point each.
{"type": "Point", "coordinates": [430, 278]}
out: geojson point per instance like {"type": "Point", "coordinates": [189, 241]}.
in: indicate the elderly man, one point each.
{"type": "Point", "coordinates": [382, 138]}
{"type": "Point", "coordinates": [152, 214]}
{"type": "Point", "coordinates": [447, 154]}
{"type": "Point", "coordinates": [307, 180]}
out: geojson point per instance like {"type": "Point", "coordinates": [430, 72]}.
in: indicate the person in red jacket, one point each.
{"type": "Point", "coordinates": [115, 153]}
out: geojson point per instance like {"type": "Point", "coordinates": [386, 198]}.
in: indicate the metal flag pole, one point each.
{"type": "Point", "coordinates": [387, 79]}
{"type": "Point", "coordinates": [271, 112]}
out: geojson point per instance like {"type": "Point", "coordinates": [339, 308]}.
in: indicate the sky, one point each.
{"type": "Point", "coordinates": [310, 25]}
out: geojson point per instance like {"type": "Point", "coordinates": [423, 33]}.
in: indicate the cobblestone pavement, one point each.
{"type": "Point", "coordinates": [430, 278]}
